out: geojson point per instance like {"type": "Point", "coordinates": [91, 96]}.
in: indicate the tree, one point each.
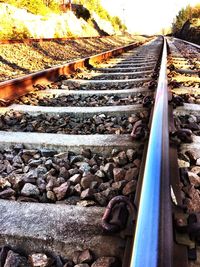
{"type": "Point", "coordinates": [183, 15]}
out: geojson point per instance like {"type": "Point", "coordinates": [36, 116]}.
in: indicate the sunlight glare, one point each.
{"type": "Point", "coordinates": [145, 16]}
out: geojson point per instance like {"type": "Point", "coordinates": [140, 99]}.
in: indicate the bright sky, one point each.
{"type": "Point", "coordinates": [147, 17]}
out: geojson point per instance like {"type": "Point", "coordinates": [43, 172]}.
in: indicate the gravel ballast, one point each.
{"type": "Point", "coordinates": [79, 101]}
{"type": "Point", "coordinates": [65, 124]}
{"type": "Point", "coordinates": [74, 85]}
{"type": "Point", "coordinates": [85, 179]}
{"type": "Point", "coordinates": [86, 258]}
{"type": "Point", "coordinates": [183, 77]}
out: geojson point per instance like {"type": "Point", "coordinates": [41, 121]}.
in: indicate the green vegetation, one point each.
{"type": "Point", "coordinates": [37, 7]}
{"type": "Point", "coordinates": [184, 15]}
{"type": "Point", "coordinates": [44, 7]}
{"type": "Point", "coordinates": [12, 29]}
{"type": "Point", "coordinates": [116, 22]}
{"type": "Point", "coordinates": [95, 6]}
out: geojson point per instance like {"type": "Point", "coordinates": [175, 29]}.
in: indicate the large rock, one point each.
{"type": "Point", "coordinates": [3, 254]}
{"type": "Point", "coordinates": [119, 185]}
{"type": "Point", "coordinates": [64, 173]}
{"type": "Point", "coordinates": [129, 188]}
{"type": "Point", "coordinates": [87, 180]}
{"type": "Point", "coordinates": [4, 183]}
{"type": "Point", "coordinates": [15, 260]}
{"type": "Point", "coordinates": [87, 193]}
{"type": "Point", "coordinates": [39, 260]}
{"type": "Point", "coordinates": [110, 193]}
{"type": "Point", "coordinates": [51, 196]}
{"type": "Point", "coordinates": [196, 170]}
{"type": "Point", "coordinates": [193, 202]}
{"type": "Point", "coordinates": [119, 174]}
{"type": "Point", "coordinates": [131, 174]}
{"type": "Point", "coordinates": [194, 179]}
{"type": "Point", "coordinates": [75, 179]}
{"type": "Point", "coordinates": [108, 169]}
{"type": "Point", "coordinates": [131, 154]}
{"type": "Point", "coordinates": [7, 193]}
{"type": "Point", "coordinates": [85, 256]}
{"type": "Point", "coordinates": [101, 199]}
{"type": "Point", "coordinates": [61, 191]}
{"type": "Point", "coordinates": [30, 190]}
{"type": "Point", "coordinates": [121, 159]}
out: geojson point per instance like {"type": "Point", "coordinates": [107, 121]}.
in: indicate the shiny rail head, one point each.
{"type": "Point", "coordinates": [147, 234]}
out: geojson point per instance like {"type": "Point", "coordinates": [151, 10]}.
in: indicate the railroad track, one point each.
{"type": "Point", "coordinates": [84, 156]}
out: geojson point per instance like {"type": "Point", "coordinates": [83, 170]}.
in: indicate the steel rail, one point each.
{"type": "Point", "coordinates": [154, 213]}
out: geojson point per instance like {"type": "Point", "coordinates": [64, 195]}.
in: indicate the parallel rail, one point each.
{"type": "Point", "coordinates": [11, 89]}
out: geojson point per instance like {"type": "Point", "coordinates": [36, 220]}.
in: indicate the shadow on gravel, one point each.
{"type": "Point", "coordinates": [41, 50]}
{"type": "Point", "coordinates": [60, 42]}
{"type": "Point", "coordinates": [13, 65]}
{"type": "Point", "coordinates": [81, 50]}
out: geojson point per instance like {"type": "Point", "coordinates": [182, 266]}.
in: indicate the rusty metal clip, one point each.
{"type": "Point", "coordinates": [194, 226]}
{"type": "Point", "coordinates": [185, 135]}
{"type": "Point", "coordinates": [63, 77]}
{"type": "Point", "coordinates": [147, 101]}
{"type": "Point", "coordinates": [187, 232]}
{"type": "Point", "coordinates": [152, 85]}
{"type": "Point", "coordinates": [116, 214]}
{"type": "Point", "coordinates": [177, 101]}
{"type": "Point", "coordinates": [4, 103]}
{"type": "Point", "coordinates": [39, 87]}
